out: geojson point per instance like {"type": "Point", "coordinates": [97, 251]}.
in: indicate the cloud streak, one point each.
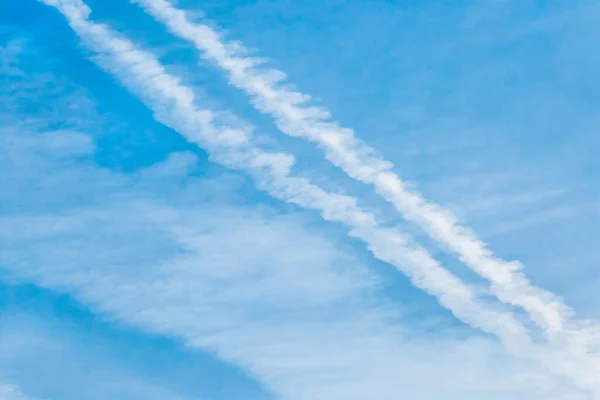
{"type": "Point", "coordinates": [270, 291]}
{"type": "Point", "coordinates": [12, 392]}
{"type": "Point", "coordinates": [267, 290]}
{"type": "Point", "coordinates": [174, 106]}
{"type": "Point", "coordinates": [295, 117]}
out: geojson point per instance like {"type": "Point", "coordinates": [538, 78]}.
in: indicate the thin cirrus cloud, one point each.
{"type": "Point", "coordinates": [259, 289]}
{"type": "Point", "coordinates": [295, 117]}
{"type": "Point", "coordinates": [231, 147]}
{"type": "Point", "coordinates": [12, 392]}
{"type": "Point", "coordinates": [256, 289]}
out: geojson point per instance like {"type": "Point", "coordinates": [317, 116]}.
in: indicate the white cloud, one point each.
{"type": "Point", "coordinates": [174, 105]}
{"type": "Point", "coordinates": [266, 291]}
{"type": "Point", "coordinates": [302, 319]}
{"type": "Point", "coordinates": [294, 117]}
{"type": "Point", "coordinates": [12, 392]}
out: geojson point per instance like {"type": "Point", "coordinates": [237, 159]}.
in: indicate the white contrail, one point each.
{"type": "Point", "coordinates": [174, 106]}
{"type": "Point", "coordinates": [294, 117]}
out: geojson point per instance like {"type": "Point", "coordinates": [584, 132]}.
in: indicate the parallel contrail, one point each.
{"type": "Point", "coordinates": [174, 106]}
{"type": "Point", "coordinates": [295, 117]}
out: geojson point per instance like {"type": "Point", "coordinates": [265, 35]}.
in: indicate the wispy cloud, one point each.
{"type": "Point", "coordinates": [230, 146]}
{"type": "Point", "coordinates": [296, 117]}
{"type": "Point", "coordinates": [12, 392]}
{"type": "Point", "coordinates": [174, 105]}
{"type": "Point", "coordinates": [268, 291]}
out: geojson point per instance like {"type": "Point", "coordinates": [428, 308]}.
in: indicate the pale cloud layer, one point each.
{"type": "Point", "coordinates": [180, 251]}
{"type": "Point", "coordinates": [264, 290]}
{"type": "Point", "coordinates": [12, 392]}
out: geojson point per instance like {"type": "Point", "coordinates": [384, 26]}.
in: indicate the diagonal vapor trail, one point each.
{"type": "Point", "coordinates": [173, 105]}
{"type": "Point", "coordinates": [295, 117]}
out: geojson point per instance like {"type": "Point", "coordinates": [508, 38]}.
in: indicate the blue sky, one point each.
{"type": "Point", "coordinates": [174, 224]}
